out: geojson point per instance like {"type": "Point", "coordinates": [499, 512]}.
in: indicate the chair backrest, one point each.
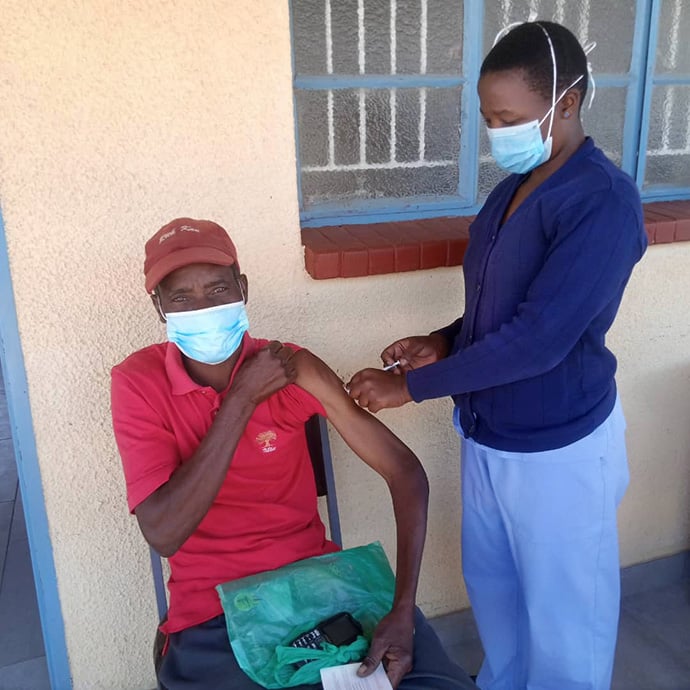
{"type": "Point", "coordinates": [316, 431]}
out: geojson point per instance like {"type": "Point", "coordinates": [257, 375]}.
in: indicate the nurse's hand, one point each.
{"type": "Point", "coordinates": [415, 351]}
{"type": "Point", "coordinates": [377, 390]}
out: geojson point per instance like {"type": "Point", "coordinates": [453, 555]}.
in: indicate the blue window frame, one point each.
{"type": "Point", "coordinates": [387, 113]}
{"type": "Point", "coordinates": [663, 167]}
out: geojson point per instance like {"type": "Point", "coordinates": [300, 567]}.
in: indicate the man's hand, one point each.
{"type": "Point", "coordinates": [377, 390]}
{"type": "Point", "coordinates": [171, 513]}
{"type": "Point", "coordinates": [415, 351]}
{"type": "Point", "coordinates": [262, 375]}
{"type": "Point", "coordinates": [393, 644]}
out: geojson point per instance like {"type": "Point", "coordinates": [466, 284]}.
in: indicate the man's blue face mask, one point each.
{"type": "Point", "coordinates": [208, 335]}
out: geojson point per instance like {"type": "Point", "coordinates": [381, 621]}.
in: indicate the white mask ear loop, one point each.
{"type": "Point", "coordinates": [558, 100]}
{"type": "Point", "coordinates": [507, 29]}
{"type": "Point", "coordinates": [157, 302]}
{"type": "Point", "coordinates": [555, 77]}
{"type": "Point", "coordinates": [588, 49]}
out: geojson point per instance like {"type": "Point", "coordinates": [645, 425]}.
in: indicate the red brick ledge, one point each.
{"type": "Point", "coordinates": [349, 251]}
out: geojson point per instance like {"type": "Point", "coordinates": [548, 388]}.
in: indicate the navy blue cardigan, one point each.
{"type": "Point", "coordinates": [528, 366]}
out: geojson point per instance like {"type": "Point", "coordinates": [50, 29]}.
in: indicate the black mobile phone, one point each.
{"type": "Point", "coordinates": [339, 630]}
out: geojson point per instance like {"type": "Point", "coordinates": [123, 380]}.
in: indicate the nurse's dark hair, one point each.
{"type": "Point", "coordinates": [526, 48]}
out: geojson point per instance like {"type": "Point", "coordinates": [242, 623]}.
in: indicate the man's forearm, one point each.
{"type": "Point", "coordinates": [169, 516]}
{"type": "Point", "coordinates": [410, 494]}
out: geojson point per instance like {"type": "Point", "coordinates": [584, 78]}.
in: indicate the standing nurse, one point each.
{"type": "Point", "coordinates": [543, 455]}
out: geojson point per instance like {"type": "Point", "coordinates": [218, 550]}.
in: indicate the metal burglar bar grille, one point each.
{"type": "Point", "coordinates": [385, 103]}
{"type": "Point", "coordinates": [388, 121]}
{"type": "Point", "coordinates": [668, 146]}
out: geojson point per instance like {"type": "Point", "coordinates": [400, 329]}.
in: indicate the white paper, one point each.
{"type": "Point", "coordinates": [346, 678]}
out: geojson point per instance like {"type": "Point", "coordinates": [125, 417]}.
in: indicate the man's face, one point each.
{"type": "Point", "coordinates": [199, 286]}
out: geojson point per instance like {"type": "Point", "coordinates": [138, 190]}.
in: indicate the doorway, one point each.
{"type": "Point", "coordinates": [29, 585]}
{"type": "Point", "coordinates": [22, 654]}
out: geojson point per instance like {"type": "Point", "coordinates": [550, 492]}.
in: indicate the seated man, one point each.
{"type": "Point", "coordinates": [210, 427]}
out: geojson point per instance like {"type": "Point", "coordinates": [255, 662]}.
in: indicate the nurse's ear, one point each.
{"type": "Point", "coordinates": [569, 107]}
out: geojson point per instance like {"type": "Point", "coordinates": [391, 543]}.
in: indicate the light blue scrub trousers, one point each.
{"type": "Point", "coordinates": [540, 559]}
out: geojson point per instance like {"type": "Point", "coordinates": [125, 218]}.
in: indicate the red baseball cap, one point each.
{"type": "Point", "coordinates": [185, 241]}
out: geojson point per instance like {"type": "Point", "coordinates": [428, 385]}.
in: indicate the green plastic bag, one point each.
{"type": "Point", "coordinates": [265, 612]}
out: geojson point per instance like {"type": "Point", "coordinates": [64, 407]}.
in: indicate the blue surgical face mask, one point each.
{"type": "Point", "coordinates": [520, 148]}
{"type": "Point", "coordinates": [208, 335]}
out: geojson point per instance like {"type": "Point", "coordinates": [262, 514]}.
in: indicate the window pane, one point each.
{"type": "Point", "coordinates": [377, 37]}
{"type": "Point", "coordinates": [668, 147]}
{"type": "Point", "coordinates": [607, 130]}
{"type": "Point", "coordinates": [383, 143]}
{"type": "Point", "coordinates": [309, 36]}
{"type": "Point", "coordinates": [428, 35]}
{"type": "Point", "coordinates": [369, 184]}
{"type": "Point", "coordinates": [489, 173]}
{"type": "Point", "coordinates": [672, 53]}
{"type": "Point", "coordinates": [344, 36]}
{"type": "Point", "coordinates": [444, 37]}
{"type": "Point", "coordinates": [610, 24]}
{"type": "Point", "coordinates": [312, 124]}
{"type": "Point", "coordinates": [408, 37]}
{"type": "Point", "coordinates": [393, 36]}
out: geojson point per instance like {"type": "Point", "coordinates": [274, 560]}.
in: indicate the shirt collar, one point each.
{"type": "Point", "coordinates": [180, 381]}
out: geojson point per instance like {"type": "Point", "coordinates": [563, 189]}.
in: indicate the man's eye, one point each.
{"type": "Point", "coordinates": [218, 289]}
{"type": "Point", "coordinates": [179, 298]}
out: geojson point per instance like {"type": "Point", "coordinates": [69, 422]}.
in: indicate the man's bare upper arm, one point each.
{"type": "Point", "coordinates": [367, 437]}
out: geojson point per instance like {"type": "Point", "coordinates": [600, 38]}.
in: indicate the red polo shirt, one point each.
{"type": "Point", "coordinates": [265, 514]}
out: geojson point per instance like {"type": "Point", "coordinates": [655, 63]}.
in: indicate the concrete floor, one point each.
{"type": "Point", "coordinates": [653, 651]}
{"type": "Point", "coordinates": [22, 655]}
{"type": "Point", "coordinates": [653, 645]}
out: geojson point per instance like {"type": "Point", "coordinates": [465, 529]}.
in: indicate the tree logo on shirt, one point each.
{"type": "Point", "coordinates": [265, 440]}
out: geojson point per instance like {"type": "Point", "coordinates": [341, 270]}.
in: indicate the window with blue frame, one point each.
{"type": "Point", "coordinates": [665, 135]}
{"type": "Point", "coordinates": [387, 113]}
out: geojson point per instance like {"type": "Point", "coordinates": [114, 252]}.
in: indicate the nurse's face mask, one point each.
{"type": "Point", "coordinates": [520, 148]}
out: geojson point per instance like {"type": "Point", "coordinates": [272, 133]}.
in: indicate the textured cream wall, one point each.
{"type": "Point", "coordinates": [652, 340]}
{"type": "Point", "coordinates": [117, 117]}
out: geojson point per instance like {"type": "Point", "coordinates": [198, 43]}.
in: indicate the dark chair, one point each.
{"type": "Point", "coordinates": [316, 430]}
